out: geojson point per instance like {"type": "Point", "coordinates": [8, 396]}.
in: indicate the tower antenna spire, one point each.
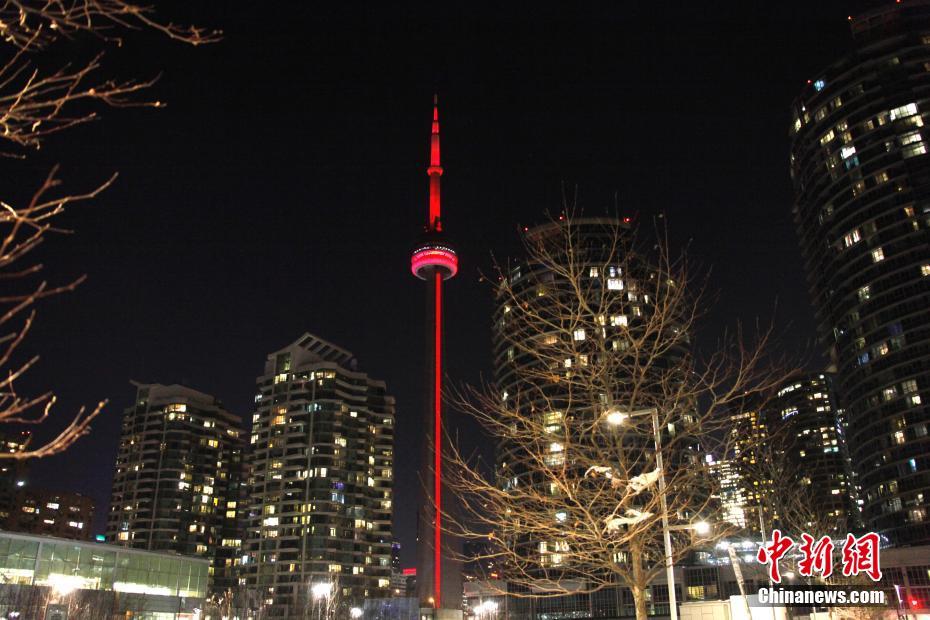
{"type": "Point", "coordinates": [434, 171]}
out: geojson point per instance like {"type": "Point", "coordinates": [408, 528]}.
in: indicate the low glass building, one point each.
{"type": "Point", "coordinates": [58, 579]}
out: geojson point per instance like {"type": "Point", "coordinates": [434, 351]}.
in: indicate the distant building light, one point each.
{"type": "Point", "coordinates": [818, 85]}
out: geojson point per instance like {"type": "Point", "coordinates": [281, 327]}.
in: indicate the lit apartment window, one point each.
{"type": "Point", "coordinates": [903, 111]}
{"type": "Point", "coordinates": [878, 255]}
{"type": "Point", "coordinates": [912, 150]}
{"type": "Point", "coordinates": [615, 284]}
{"type": "Point", "coordinates": [852, 237]}
{"type": "Point", "coordinates": [864, 293]}
{"type": "Point", "coordinates": [925, 270]}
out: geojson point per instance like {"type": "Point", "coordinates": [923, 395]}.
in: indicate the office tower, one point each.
{"type": "Point", "coordinates": [861, 175]}
{"type": "Point", "coordinates": [805, 425]}
{"type": "Point", "coordinates": [731, 492]}
{"type": "Point", "coordinates": [439, 580]}
{"type": "Point", "coordinates": [320, 483]}
{"type": "Point", "coordinates": [51, 513]}
{"type": "Point", "coordinates": [178, 477]}
{"type": "Point", "coordinates": [749, 442]}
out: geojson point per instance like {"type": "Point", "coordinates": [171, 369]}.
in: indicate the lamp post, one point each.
{"type": "Point", "coordinates": [321, 592]}
{"type": "Point", "coordinates": [616, 417]}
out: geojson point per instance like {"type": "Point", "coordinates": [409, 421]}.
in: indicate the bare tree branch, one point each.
{"type": "Point", "coordinates": [595, 326]}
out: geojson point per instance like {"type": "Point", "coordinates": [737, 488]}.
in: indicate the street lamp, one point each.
{"type": "Point", "coordinates": [616, 417]}
{"type": "Point", "coordinates": [321, 590]}
{"type": "Point", "coordinates": [486, 609]}
{"type": "Point", "coordinates": [355, 612]}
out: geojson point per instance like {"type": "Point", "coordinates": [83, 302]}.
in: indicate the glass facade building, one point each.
{"type": "Point", "coordinates": [66, 578]}
{"type": "Point", "coordinates": [861, 175]}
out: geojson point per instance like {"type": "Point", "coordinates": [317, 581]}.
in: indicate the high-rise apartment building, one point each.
{"type": "Point", "coordinates": [806, 426]}
{"type": "Point", "coordinates": [51, 513]}
{"type": "Point", "coordinates": [749, 464]}
{"type": "Point", "coordinates": [731, 492]}
{"type": "Point", "coordinates": [861, 173]}
{"type": "Point", "coordinates": [320, 487]}
{"type": "Point", "coordinates": [178, 479]}
{"type": "Point", "coordinates": [12, 472]}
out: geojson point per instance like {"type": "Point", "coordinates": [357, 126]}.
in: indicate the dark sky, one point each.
{"type": "Point", "coordinates": [281, 189]}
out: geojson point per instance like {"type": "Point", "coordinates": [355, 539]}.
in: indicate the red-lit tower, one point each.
{"type": "Point", "coordinates": [434, 260]}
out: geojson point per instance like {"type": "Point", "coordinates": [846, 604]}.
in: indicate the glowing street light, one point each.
{"type": "Point", "coordinates": [486, 609]}
{"type": "Point", "coordinates": [616, 418]}
{"type": "Point", "coordinates": [321, 589]}
{"type": "Point", "coordinates": [355, 612]}
{"type": "Point", "coordinates": [701, 528]}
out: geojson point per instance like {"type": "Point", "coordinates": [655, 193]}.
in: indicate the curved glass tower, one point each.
{"type": "Point", "coordinates": [861, 174]}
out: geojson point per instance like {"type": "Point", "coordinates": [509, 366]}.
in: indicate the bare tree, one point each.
{"type": "Point", "coordinates": [595, 360]}
{"type": "Point", "coordinates": [35, 104]}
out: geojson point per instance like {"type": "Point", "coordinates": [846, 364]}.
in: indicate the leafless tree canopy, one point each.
{"type": "Point", "coordinates": [34, 105]}
{"type": "Point", "coordinates": [594, 332]}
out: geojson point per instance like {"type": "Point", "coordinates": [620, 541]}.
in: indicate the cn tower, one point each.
{"type": "Point", "coordinates": [439, 587]}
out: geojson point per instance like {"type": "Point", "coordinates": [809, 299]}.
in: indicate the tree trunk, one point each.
{"type": "Point", "coordinates": [639, 598]}
{"type": "Point", "coordinates": [638, 586]}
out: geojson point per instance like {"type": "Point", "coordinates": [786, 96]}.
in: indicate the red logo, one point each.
{"type": "Point", "coordinates": [772, 552]}
{"type": "Point", "coordinates": [860, 555]}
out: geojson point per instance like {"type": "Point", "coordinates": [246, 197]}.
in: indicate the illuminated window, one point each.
{"type": "Point", "coordinates": [925, 270]}
{"type": "Point", "coordinates": [619, 320]}
{"type": "Point", "coordinates": [615, 284]}
{"type": "Point", "coordinates": [593, 272]}
{"type": "Point", "coordinates": [852, 237]}
{"type": "Point", "coordinates": [579, 334]}
{"type": "Point", "coordinates": [878, 255]}
{"type": "Point", "coordinates": [914, 149]}
{"type": "Point", "coordinates": [899, 437]}
{"type": "Point", "coordinates": [881, 177]}
{"type": "Point", "coordinates": [176, 408]}
{"type": "Point", "coordinates": [903, 111]}
{"type": "Point", "coordinates": [864, 293]}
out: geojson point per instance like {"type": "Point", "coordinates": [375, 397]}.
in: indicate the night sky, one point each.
{"type": "Point", "coordinates": [283, 186]}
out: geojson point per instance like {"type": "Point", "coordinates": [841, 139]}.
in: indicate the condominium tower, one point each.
{"type": "Point", "coordinates": [178, 477]}
{"type": "Point", "coordinates": [320, 487]}
{"type": "Point", "coordinates": [861, 173]}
